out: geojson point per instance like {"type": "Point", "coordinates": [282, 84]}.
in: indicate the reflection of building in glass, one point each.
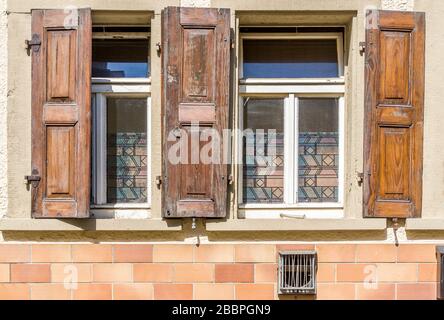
{"type": "Point", "coordinates": [100, 69]}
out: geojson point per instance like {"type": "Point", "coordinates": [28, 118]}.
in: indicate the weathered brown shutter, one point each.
{"type": "Point", "coordinates": [394, 108]}
{"type": "Point", "coordinates": [196, 69]}
{"type": "Point", "coordinates": [61, 124]}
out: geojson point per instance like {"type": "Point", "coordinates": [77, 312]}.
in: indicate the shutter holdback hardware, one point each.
{"type": "Point", "coordinates": [34, 44]}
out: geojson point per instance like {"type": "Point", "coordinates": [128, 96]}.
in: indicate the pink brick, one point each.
{"type": "Point", "coordinates": [51, 253]}
{"type": "Point", "coordinates": [336, 252]}
{"type": "Point", "coordinates": [417, 253]}
{"type": "Point", "coordinates": [15, 253]}
{"type": "Point", "coordinates": [416, 291]}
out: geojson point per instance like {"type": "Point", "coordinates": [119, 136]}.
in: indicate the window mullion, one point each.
{"type": "Point", "coordinates": [101, 149]}
{"type": "Point", "coordinates": [289, 144]}
{"type": "Point", "coordinates": [296, 150]}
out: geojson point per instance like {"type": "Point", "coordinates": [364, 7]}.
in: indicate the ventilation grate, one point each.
{"type": "Point", "coordinates": [297, 272]}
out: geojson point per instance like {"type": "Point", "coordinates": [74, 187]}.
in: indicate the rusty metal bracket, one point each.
{"type": "Point", "coordinates": [34, 44]}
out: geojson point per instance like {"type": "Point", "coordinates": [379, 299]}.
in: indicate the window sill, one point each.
{"type": "Point", "coordinates": [90, 225]}
{"type": "Point", "coordinates": [420, 224]}
{"type": "Point", "coordinates": [297, 225]}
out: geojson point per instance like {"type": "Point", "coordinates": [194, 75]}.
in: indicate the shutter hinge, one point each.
{"type": "Point", "coordinates": [159, 49]}
{"type": "Point", "coordinates": [33, 180]}
{"type": "Point", "coordinates": [360, 178]}
{"type": "Point", "coordinates": [158, 181]}
{"type": "Point", "coordinates": [33, 44]}
{"type": "Point", "coordinates": [362, 47]}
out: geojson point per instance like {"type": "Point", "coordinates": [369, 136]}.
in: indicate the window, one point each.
{"type": "Point", "coordinates": [121, 120]}
{"type": "Point", "coordinates": [291, 112]}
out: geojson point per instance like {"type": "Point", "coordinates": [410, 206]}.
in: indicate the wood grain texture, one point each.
{"type": "Point", "coordinates": [195, 90]}
{"type": "Point", "coordinates": [61, 114]}
{"type": "Point", "coordinates": [394, 112]}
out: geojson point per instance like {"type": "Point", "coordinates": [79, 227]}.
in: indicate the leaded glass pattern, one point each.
{"type": "Point", "coordinates": [318, 167]}
{"type": "Point", "coordinates": [127, 168]}
{"type": "Point", "coordinates": [264, 173]}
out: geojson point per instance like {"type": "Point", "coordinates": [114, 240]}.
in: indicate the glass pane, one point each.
{"type": "Point", "coordinates": [318, 150]}
{"type": "Point", "coordinates": [263, 180]}
{"type": "Point", "coordinates": [120, 58]}
{"type": "Point", "coordinates": [290, 59]}
{"type": "Point", "coordinates": [127, 150]}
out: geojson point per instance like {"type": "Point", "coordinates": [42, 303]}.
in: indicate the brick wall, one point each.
{"type": "Point", "coordinates": [216, 271]}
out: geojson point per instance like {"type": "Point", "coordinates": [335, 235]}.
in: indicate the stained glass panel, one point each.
{"type": "Point", "coordinates": [126, 150]}
{"type": "Point", "coordinates": [263, 151]}
{"type": "Point", "coordinates": [318, 150]}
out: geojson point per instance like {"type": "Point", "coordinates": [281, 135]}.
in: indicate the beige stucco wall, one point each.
{"type": "Point", "coordinates": [3, 108]}
{"type": "Point", "coordinates": [19, 104]}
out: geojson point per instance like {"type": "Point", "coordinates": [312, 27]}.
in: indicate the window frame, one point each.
{"type": "Point", "coordinates": [292, 36]}
{"type": "Point", "coordinates": [291, 89]}
{"type": "Point", "coordinates": [101, 89]}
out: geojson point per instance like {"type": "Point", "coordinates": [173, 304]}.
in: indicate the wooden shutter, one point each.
{"type": "Point", "coordinates": [196, 64]}
{"type": "Point", "coordinates": [394, 108]}
{"type": "Point", "coordinates": [61, 123]}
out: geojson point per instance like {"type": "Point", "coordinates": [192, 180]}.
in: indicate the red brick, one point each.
{"type": "Point", "coordinates": [155, 272]}
{"type": "Point", "coordinates": [416, 253]}
{"type": "Point", "coordinates": [92, 253]}
{"type": "Point", "coordinates": [112, 272]}
{"type": "Point", "coordinates": [255, 291]}
{"type": "Point", "coordinates": [93, 291]}
{"type": "Point", "coordinates": [260, 253]}
{"type": "Point", "coordinates": [214, 253]}
{"type": "Point", "coordinates": [218, 291]}
{"type": "Point", "coordinates": [265, 272]}
{"type": "Point", "coordinates": [78, 272]}
{"type": "Point", "coordinates": [171, 291]}
{"type": "Point", "coordinates": [326, 272]}
{"type": "Point", "coordinates": [15, 253]}
{"type": "Point", "coordinates": [376, 253]}
{"type": "Point", "coordinates": [381, 291]}
{"type": "Point", "coordinates": [4, 273]}
{"type": "Point", "coordinates": [133, 291]}
{"type": "Point", "coordinates": [133, 253]}
{"type": "Point", "coordinates": [192, 273]}
{"type": "Point", "coordinates": [416, 291]}
{"type": "Point", "coordinates": [30, 273]}
{"type": "Point", "coordinates": [50, 292]}
{"type": "Point", "coordinates": [234, 273]}
{"type": "Point", "coordinates": [353, 272]}
{"type": "Point", "coordinates": [51, 253]}
{"type": "Point", "coordinates": [428, 272]}
{"type": "Point", "coordinates": [336, 252]}
{"type": "Point", "coordinates": [173, 253]}
{"type": "Point", "coordinates": [336, 291]}
{"type": "Point", "coordinates": [14, 291]}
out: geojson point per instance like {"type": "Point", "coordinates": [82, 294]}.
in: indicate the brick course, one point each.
{"type": "Point", "coordinates": [219, 271]}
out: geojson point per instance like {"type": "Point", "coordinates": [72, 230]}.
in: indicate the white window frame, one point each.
{"type": "Point", "coordinates": [102, 89]}
{"type": "Point", "coordinates": [291, 90]}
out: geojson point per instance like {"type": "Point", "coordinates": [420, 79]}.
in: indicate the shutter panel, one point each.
{"type": "Point", "coordinates": [61, 102]}
{"type": "Point", "coordinates": [394, 107]}
{"type": "Point", "coordinates": [196, 64]}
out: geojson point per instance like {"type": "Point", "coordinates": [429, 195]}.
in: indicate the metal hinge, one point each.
{"type": "Point", "coordinates": [362, 47]}
{"type": "Point", "coordinates": [158, 181]}
{"type": "Point", "coordinates": [33, 44]}
{"type": "Point", "coordinates": [33, 180]}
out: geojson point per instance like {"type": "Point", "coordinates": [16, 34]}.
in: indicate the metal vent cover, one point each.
{"type": "Point", "coordinates": [297, 272]}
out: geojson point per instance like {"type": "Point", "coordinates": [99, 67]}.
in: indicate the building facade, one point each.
{"type": "Point", "coordinates": [326, 115]}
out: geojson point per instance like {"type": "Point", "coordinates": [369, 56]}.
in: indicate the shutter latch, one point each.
{"type": "Point", "coordinates": [33, 44]}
